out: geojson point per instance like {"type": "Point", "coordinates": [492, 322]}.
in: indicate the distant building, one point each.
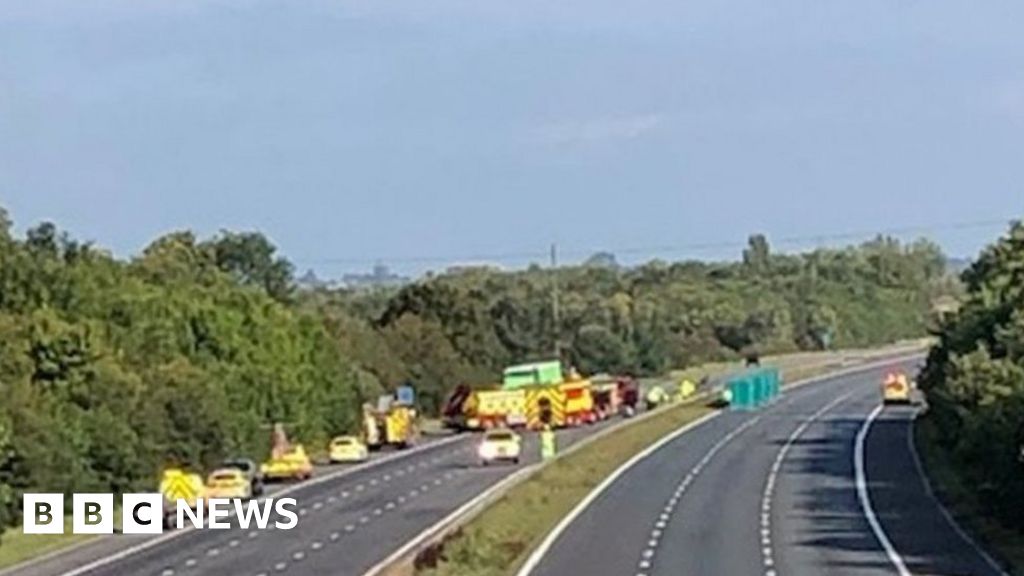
{"type": "Point", "coordinates": [380, 276]}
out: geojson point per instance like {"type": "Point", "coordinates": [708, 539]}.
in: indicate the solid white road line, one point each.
{"type": "Point", "coordinates": [647, 556]}
{"type": "Point", "coordinates": [436, 528]}
{"type": "Point", "coordinates": [540, 551]}
{"type": "Point", "coordinates": [552, 536]}
{"type": "Point", "coordinates": [865, 498]}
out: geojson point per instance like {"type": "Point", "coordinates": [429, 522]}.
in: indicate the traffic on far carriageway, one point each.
{"type": "Point", "coordinates": [392, 422]}
{"type": "Point", "coordinates": [356, 518]}
{"type": "Point", "coordinates": [397, 481]}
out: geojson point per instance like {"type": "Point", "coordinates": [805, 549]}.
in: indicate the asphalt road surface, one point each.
{"type": "Point", "coordinates": [774, 493]}
{"type": "Point", "coordinates": [347, 523]}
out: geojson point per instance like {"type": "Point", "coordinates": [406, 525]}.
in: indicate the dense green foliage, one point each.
{"type": "Point", "coordinates": [466, 325]}
{"type": "Point", "coordinates": [975, 379]}
{"type": "Point", "coordinates": [110, 369]}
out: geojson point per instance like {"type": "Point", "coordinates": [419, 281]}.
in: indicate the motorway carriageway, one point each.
{"type": "Point", "coordinates": [348, 521]}
{"type": "Point", "coordinates": [824, 481]}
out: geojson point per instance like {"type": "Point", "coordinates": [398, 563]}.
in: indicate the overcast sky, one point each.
{"type": "Point", "coordinates": [426, 133]}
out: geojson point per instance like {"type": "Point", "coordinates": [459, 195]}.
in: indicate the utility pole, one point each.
{"type": "Point", "coordinates": [555, 313]}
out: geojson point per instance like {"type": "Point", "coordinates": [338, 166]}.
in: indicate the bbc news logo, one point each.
{"type": "Point", "coordinates": [144, 514]}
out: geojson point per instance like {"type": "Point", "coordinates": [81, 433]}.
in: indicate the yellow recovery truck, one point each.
{"type": "Point", "coordinates": [287, 461]}
{"type": "Point", "coordinates": [391, 423]}
{"type": "Point", "coordinates": [469, 409]}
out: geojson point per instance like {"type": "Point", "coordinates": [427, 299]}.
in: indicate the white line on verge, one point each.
{"type": "Point", "coordinates": [647, 556]}
{"type": "Point", "coordinates": [436, 528]}
{"type": "Point", "coordinates": [865, 498]}
{"type": "Point", "coordinates": [541, 550]}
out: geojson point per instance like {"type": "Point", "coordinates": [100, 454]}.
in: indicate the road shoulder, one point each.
{"type": "Point", "coordinates": [923, 535]}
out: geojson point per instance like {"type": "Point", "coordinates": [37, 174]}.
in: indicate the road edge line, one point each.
{"type": "Point", "coordinates": [538, 553]}
{"type": "Point", "coordinates": [930, 491]}
{"type": "Point", "coordinates": [865, 498]}
{"type": "Point", "coordinates": [442, 524]}
{"type": "Point", "coordinates": [317, 480]}
{"type": "Point", "coordinates": [166, 537]}
{"type": "Point", "coordinates": [466, 512]}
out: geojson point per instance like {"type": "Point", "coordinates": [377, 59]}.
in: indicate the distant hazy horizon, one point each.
{"type": "Point", "coordinates": [731, 250]}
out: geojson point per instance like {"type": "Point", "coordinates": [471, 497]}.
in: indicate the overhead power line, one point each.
{"type": "Point", "coordinates": [542, 254]}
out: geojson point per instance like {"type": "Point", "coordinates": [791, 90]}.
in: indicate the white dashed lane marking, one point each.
{"type": "Point", "coordinates": [366, 519]}
{"type": "Point", "coordinates": [648, 554]}
{"type": "Point", "coordinates": [767, 554]}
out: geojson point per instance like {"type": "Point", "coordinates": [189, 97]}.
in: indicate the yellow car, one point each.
{"type": "Point", "coordinates": [228, 483]}
{"type": "Point", "coordinates": [500, 444]}
{"type": "Point", "coordinates": [293, 464]}
{"type": "Point", "coordinates": [896, 389]}
{"type": "Point", "coordinates": [348, 449]}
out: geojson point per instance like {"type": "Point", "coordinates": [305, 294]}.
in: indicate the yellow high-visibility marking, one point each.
{"type": "Point", "coordinates": [179, 488]}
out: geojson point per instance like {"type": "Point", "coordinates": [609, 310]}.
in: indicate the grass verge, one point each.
{"type": "Point", "coordinates": [960, 499]}
{"type": "Point", "coordinates": [550, 497]}
{"type": "Point", "coordinates": [499, 540]}
{"type": "Point", "coordinates": [17, 547]}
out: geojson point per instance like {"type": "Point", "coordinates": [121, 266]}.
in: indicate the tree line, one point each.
{"type": "Point", "coordinates": [466, 325]}
{"type": "Point", "coordinates": [974, 380]}
{"type": "Point", "coordinates": [112, 368]}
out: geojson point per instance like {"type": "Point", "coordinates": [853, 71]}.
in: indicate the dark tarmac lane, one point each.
{"type": "Point", "coordinates": [347, 524]}
{"type": "Point", "coordinates": [773, 493]}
